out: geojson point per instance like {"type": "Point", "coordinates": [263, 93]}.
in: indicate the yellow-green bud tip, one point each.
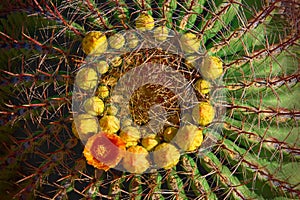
{"type": "Point", "coordinates": [103, 91]}
{"type": "Point", "coordinates": [166, 156]}
{"type": "Point", "coordinates": [109, 124]}
{"type": "Point", "coordinates": [150, 141]}
{"type": "Point", "coordinates": [85, 124]}
{"type": "Point", "coordinates": [130, 135]}
{"type": "Point", "coordinates": [189, 138]}
{"type": "Point", "coordinates": [202, 86]}
{"type": "Point", "coordinates": [203, 113]}
{"type": "Point", "coordinates": [94, 42]}
{"type": "Point", "coordinates": [161, 33]}
{"type": "Point", "coordinates": [144, 22]}
{"type": "Point", "coordinates": [102, 67]}
{"type": "Point", "coordinates": [135, 159]}
{"type": "Point", "coordinates": [86, 79]}
{"type": "Point", "coordinates": [189, 43]}
{"type": "Point", "coordinates": [94, 106]}
{"type": "Point", "coordinates": [116, 41]}
{"type": "Point", "coordinates": [169, 133]}
{"type": "Point", "coordinates": [212, 68]}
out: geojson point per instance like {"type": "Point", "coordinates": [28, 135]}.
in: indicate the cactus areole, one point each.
{"type": "Point", "coordinates": [153, 84]}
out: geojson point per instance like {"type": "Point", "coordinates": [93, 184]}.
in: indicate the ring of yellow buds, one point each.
{"type": "Point", "coordinates": [86, 79]}
{"type": "Point", "coordinates": [203, 113]}
{"type": "Point", "coordinates": [130, 135]}
{"type": "Point", "coordinates": [164, 146]}
{"type": "Point", "coordinates": [109, 124]}
{"type": "Point", "coordinates": [94, 42]}
{"type": "Point", "coordinates": [202, 86]}
{"type": "Point", "coordinates": [190, 43]}
{"type": "Point", "coordinates": [212, 67]}
{"type": "Point", "coordinates": [188, 138]}
{"type": "Point", "coordinates": [166, 156]}
{"type": "Point", "coordinates": [104, 151]}
{"type": "Point", "coordinates": [135, 159]}
{"type": "Point", "coordinates": [144, 22]}
{"type": "Point", "coordinates": [94, 106]}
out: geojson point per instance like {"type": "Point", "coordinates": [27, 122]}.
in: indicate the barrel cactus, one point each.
{"type": "Point", "coordinates": [239, 139]}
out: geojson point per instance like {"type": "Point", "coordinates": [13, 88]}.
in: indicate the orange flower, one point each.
{"type": "Point", "coordinates": [104, 150]}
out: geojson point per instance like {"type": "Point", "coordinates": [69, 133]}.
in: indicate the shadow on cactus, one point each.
{"type": "Point", "coordinates": [230, 133]}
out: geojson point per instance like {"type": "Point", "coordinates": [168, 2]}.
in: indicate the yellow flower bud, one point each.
{"type": "Point", "coordinates": [86, 79]}
{"type": "Point", "coordinates": [85, 124]}
{"type": "Point", "coordinates": [109, 124]}
{"type": "Point", "coordinates": [212, 68]}
{"type": "Point", "coordinates": [161, 33]}
{"type": "Point", "coordinates": [150, 141]}
{"type": "Point", "coordinates": [169, 133]}
{"type": "Point", "coordinates": [135, 160]}
{"type": "Point", "coordinates": [166, 156]}
{"type": "Point", "coordinates": [203, 113]}
{"type": "Point", "coordinates": [130, 135]}
{"type": "Point", "coordinates": [190, 43]}
{"type": "Point", "coordinates": [189, 137]}
{"type": "Point", "coordinates": [103, 91]}
{"type": "Point", "coordinates": [202, 86]}
{"type": "Point", "coordinates": [94, 42]}
{"type": "Point", "coordinates": [144, 22]}
{"type": "Point", "coordinates": [102, 67]}
{"type": "Point", "coordinates": [94, 106]}
{"type": "Point", "coordinates": [116, 41]}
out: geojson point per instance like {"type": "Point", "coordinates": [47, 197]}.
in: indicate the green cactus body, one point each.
{"type": "Point", "coordinates": [175, 184]}
{"type": "Point", "coordinates": [115, 188]}
{"type": "Point", "coordinates": [199, 185]}
{"type": "Point", "coordinates": [155, 184]}
{"type": "Point", "coordinates": [224, 176]}
{"type": "Point", "coordinates": [135, 188]}
{"type": "Point", "coordinates": [121, 13]}
{"type": "Point", "coordinates": [167, 8]}
{"type": "Point", "coordinates": [251, 143]}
